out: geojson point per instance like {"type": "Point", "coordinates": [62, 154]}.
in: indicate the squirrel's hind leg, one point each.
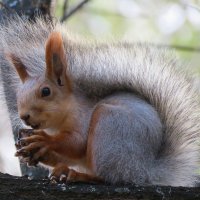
{"type": "Point", "coordinates": [123, 142]}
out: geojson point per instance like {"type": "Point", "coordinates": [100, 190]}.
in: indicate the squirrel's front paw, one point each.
{"type": "Point", "coordinates": [32, 146]}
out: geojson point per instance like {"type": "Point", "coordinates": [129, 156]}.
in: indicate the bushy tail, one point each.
{"type": "Point", "coordinates": [154, 75]}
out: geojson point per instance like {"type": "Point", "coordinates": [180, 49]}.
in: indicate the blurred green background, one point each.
{"type": "Point", "coordinates": [154, 21]}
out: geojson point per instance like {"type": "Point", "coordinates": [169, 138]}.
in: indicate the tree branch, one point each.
{"type": "Point", "coordinates": [4, 6]}
{"type": "Point", "coordinates": [178, 47]}
{"type": "Point", "coordinates": [65, 8]}
{"type": "Point", "coordinates": [22, 188]}
{"type": "Point", "coordinates": [72, 11]}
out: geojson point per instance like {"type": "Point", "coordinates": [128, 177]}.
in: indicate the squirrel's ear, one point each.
{"type": "Point", "coordinates": [19, 66]}
{"type": "Point", "coordinates": [56, 63]}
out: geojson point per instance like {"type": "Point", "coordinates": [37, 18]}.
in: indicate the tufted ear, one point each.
{"type": "Point", "coordinates": [19, 66]}
{"type": "Point", "coordinates": [56, 63]}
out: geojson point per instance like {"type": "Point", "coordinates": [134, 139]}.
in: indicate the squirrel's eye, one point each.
{"type": "Point", "coordinates": [45, 92]}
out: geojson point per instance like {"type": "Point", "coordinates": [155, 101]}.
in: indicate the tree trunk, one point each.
{"type": "Point", "coordinates": [26, 9]}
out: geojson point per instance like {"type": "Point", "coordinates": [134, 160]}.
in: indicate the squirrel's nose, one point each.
{"type": "Point", "coordinates": [25, 117]}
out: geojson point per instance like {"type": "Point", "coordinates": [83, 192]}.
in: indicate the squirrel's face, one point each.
{"type": "Point", "coordinates": [45, 101]}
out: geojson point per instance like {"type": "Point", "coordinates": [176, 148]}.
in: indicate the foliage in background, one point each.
{"type": "Point", "coordinates": [166, 22]}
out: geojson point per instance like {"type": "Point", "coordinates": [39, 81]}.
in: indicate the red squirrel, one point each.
{"type": "Point", "coordinates": [57, 110]}
{"type": "Point", "coordinates": [121, 111]}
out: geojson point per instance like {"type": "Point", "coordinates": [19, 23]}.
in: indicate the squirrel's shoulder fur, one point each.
{"type": "Point", "coordinates": [98, 69]}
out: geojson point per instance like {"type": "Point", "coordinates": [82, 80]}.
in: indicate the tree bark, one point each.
{"type": "Point", "coordinates": [24, 189]}
{"type": "Point", "coordinates": [26, 9]}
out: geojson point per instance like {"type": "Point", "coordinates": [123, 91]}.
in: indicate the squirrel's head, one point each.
{"type": "Point", "coordinates": [44, 101]}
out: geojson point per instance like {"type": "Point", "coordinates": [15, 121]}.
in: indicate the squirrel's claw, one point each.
{"type": "Point", "coordinates": [22, 152]}
{"type": "Point", "coordinates": [63, 178]}
{"type": "Point", "coordinates": [60, 173]}
{"type": "Point", "coordinates": [21, 142]}
{"type": "Point", "coordinates": [53, 180]}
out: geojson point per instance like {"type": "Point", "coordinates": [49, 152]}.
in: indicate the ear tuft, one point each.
{"type": "Point", "coordinates": [54, 52]}
{"type": "Point", "coordinates": [19, 66]}
{"type": "Point", "coordinates": [56, 62]}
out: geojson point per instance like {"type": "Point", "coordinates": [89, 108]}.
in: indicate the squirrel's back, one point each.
{"type": "Point", "coordinates": [100, 69]}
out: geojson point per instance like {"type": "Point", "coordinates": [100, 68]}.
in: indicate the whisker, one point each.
{"type": "Point", "coordinates": [51, 110]}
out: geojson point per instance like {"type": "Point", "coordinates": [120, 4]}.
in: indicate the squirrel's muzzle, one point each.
{"type": "Point", "coordinates": [26, 119]}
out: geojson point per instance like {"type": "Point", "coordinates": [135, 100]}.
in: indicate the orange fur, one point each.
{"type": "Point", "coordinates": [19, 66]}
{"type": "Point", "coordinates": [65, 144]}
{"type": "Point", "coordinates": [94, 120]}
{"type": "Point", "coordinates": [77, 176]}
{"type": "Point", "coordinates": [54, 45]}
{"type": "Point", "coordinates": [62, 172]}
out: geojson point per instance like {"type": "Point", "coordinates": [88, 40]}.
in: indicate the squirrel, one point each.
{"type": "Point", "coordinates": [123, 112]}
